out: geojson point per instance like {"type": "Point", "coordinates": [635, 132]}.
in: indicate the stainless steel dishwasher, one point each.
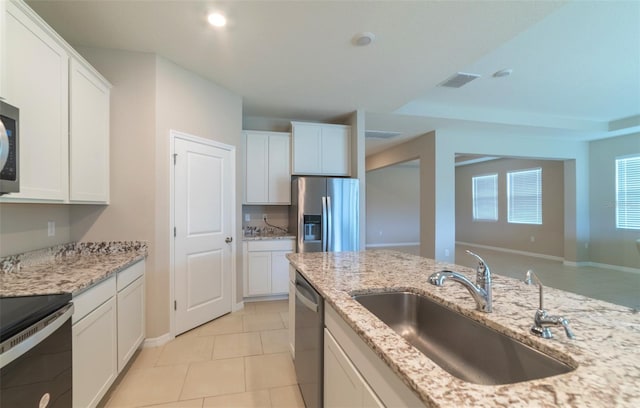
{"type": "Point", "coordinates": [309, 342]}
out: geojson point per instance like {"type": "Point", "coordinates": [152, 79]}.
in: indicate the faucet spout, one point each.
{"type": "Point", "coordinates": [483, 302]}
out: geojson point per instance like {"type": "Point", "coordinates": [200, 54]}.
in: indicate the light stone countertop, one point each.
{"type": "Point", "coordinates": [69, 268]}
{"type": "Point", "coordinates": [605, 350]}
{"type": "Point", "coordinates": [267, 237]}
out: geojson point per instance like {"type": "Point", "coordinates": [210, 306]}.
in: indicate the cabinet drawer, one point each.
{"type": "Point", "coordinates": [89, 300]}
{"type": "Point", "coordinates": [128, 275]}
{"type": "Point", "coordinates": [275, 245]}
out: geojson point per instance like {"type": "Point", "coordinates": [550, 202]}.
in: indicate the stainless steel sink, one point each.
{"type": "Point", "coordinates": [461, 346]}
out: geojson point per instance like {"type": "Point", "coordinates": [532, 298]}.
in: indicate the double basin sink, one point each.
{"type": "Point", "coordinates": [461, 346]}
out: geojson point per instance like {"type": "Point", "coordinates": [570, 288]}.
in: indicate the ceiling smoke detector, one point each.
{"type": "Point", "coordinates": [458, 80]}
{"type": "Point", "coordinates": [503, 73]}
{"type": "Point", "coordinates": [363, 39]}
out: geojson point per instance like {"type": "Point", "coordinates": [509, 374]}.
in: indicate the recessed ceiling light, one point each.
{"type": "Point", "coordinates": [217, 20]}
{"type": "Point", "coordinates": [363, 39]}
{"type": "Point", "coordinates": [502, 73]}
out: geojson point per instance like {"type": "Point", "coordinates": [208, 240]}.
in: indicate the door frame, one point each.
{"type": "Point", "coordinates": [173, 135]}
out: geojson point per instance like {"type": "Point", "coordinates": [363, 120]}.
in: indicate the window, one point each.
{"type": "Point", "coordinates": [524, 196]}
{"type": "Point", "coordinates": [628, 193]}
{"type": "Point", "coordinates": [485, 198]}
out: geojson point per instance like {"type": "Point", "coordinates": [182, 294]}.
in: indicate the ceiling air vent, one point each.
{"type": "Point", "coordinates": [459, 79]}
{"type": "Point", "coordinates": [380, 134]}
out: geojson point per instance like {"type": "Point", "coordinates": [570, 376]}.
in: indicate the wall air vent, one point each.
{"type": "Point", "coordinates": [458, 80]}
{"type": "Point", "coordinates": [380, 134]}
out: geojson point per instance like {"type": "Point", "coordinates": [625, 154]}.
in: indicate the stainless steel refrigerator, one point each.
{"type": "Point", "coordinates": [325, 213]}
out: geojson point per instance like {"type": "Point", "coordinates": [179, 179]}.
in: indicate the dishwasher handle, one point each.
{"type": "Point", "coordinates": [308, 303]}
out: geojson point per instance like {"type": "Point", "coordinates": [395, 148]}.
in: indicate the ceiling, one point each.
{"type": "Point", "coordinates": [576, 65]}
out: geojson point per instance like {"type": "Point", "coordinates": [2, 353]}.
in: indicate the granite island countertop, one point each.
{"type": "Point", "coordinates": [604, 350]}
{"type": "Point", "coordinates": [268, 237]}
{"type": "Point", "coordinates": [69, 268]}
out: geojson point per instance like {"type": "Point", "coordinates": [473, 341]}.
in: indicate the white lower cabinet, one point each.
{"type": "Point", "coordinates": [292, 310]}
{"type": "Point", "coordinates": [352, 371]}
{"type": "Point", "coordinates": [266, 267]}
{"type": "Point", "coordinates": [95, 345]}
{"type": "Point", "coordinates": [130, 312]}
{"type": "Point", "coordinates": [108, 327]}
{"type": "Point", "coordinates": [343, 385]}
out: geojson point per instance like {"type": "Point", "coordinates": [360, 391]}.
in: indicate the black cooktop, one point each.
{"type": "Point", "coordinates": [18, 313]}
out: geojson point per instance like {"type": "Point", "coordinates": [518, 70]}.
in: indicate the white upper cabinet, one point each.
{"type": "Point", "coordinates": [36, 81]}
{"type": "Point", "coordinates": [89, 136]}
{"type": "Point", "coordinates": [267, 168]}
{"type": "Point", "coordinates": [321, 149]}
{"type": "Point", "coordinates": [64, 112]}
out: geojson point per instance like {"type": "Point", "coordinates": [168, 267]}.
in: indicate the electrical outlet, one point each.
{"type": "Point", "coordinates": [51, 228]}
{"type": "Point", "coordinates": [247, 217]}
{"type": "Point", "coordinates": [264, 217]}
{"type": "Point", "coordinates": [532, 238]}
{"type": "Point", "coordinates": [446, 252]}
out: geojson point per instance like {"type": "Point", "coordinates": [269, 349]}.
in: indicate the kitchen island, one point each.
{"type": "Point", "coordinates": [603, 352]}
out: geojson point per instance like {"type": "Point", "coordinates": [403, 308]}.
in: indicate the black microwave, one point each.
{"type": "Point", "coordinates": [9, 149]}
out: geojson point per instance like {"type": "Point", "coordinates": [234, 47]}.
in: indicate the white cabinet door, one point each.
{"type": "Point", "coordinates": [94, 355]}
{"type": "Point", "coordinates": [342, 383]}
{"type": "Point", "coordinates": [279, 272]}
{"type": "Point", "coordinates": [258, 273]}
{"type": "Point", "coordinates": [336, 148]}
{"type": "Point", "coordinates": [89, 136]}
{"type": "Point", "coordinates": [280, 168]}
{"type": "Point", "coordinates": [256, 167]}
{"type": "Point", "coordinates": [321, 149]}
{"type": "Point", "coordinates": [292, 310]}
{"type": "Point", "coordinates": [130, 321]}
{"type": "Point", "coordinates": [37, 79]}
{"type": "Point", "coordinates": [307, 149]}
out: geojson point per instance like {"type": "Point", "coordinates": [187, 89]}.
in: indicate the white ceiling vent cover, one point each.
{"type": "Point", "coordinates": [458, 80]}
{"type": "Point", "coordinates": [380, 134]}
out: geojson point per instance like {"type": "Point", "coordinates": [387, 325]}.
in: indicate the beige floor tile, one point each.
{"type": "Point", "coordinates": [146, 357]}
{"type": "Point", "coordinates": [285, 319]}
{"type": "Point", "coordinates": [186, 350]}
{"type": "Point", "coordinates": [148, 386]}
{"type": "Point", "coordinates": [231, 323]}
{"type": "Point", "coordinates": [249, 307]}
{"type": "Point", "coordinates": [216, 377]}
{"type": "Point", "coordinates": [275, 341]}
{"type": "Point", "coordinates": [269, 370]}
{"type": "Point", "coordinates": [274, 306]}
{"type": "Point", "coordinates": [253, 399]}
{"type": "Point", "coordinates": [286, 397]}
{"type": "Point", "coordinates": [194, 403]}
{"type": "Point", "coordinates": [262, 321]}
{"type": "Point", "coordinates": [237, 345]}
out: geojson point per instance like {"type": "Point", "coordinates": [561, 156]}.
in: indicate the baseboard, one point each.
{"type": "Point", "coordinates": [265, 298]}
{"type": "Point", "coordinates": [614, 267]}
{"type": "Point", "coordinates": [392, 244]}
{"type": "Point", "coordinates": [157, 341]}
{"type": "Point", "coordinates": [513, 251]}
{"type": "Point", "coordinates": [237, 306]}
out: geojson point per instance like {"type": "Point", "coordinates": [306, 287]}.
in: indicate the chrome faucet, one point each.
{"type": "Point", "coordinates": [480, 291]}
{"type": "Point", "coordinates": [542, 321]}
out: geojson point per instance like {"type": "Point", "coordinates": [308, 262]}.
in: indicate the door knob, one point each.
{"type": "Point", "coordinates": [228, 240]}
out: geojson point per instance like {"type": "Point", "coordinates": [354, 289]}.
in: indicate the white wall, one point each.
{"type": "Point", "coordinates": [23, 227]}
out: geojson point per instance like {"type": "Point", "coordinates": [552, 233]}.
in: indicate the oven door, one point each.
{"type": "Point", "coordinates": [35, 369]}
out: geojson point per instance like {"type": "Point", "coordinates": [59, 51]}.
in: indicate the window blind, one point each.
{"type": "Point", "coordinates": [628, 193]}
{"type": "Point", "coordinates": [524, 196]}
{"type": "Point", "coordinates": [485, 197]}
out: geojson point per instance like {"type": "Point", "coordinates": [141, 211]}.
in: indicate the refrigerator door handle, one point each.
{"type": "Point", "coordinates": [329, 225]}
{"type": "Point", "coordinates": [324, 224]}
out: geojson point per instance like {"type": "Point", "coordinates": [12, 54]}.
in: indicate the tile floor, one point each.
{"type": "Point", "coordinates": [611, 285]}
{"type": "Point", "coordinates": [239, 360]}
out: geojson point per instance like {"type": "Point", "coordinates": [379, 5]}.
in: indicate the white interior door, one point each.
{"type": "Point", "coordinates": [203, 199]}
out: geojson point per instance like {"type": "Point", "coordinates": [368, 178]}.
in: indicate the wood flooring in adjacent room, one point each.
{"type": "Point", "coordinates": [239, 360]}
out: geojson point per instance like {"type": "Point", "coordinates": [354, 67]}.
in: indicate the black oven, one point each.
{"type": "Point", "coordinates": [35, 351]}
{"type": "Point", "coordinates": [9, 149]}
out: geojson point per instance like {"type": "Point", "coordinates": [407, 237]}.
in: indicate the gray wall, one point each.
{"type": "Point", "coordinates": [393, 205]}
{"type": "Point", "coordinates": [549, 237]}
{"type": "Point", "coordinates": [610, 245]}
